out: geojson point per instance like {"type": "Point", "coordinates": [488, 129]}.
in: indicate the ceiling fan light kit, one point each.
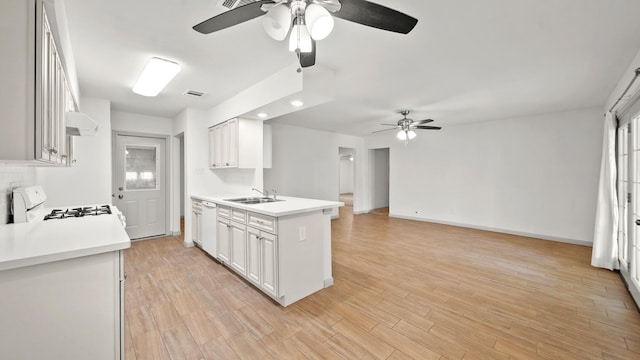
{"type": "Point", "coordinates": [309, 21]}
{"type": "Point", "coordinates": [300, 41]}
{"type": "Point", "coordinates": [405, 127]}
{"type": "Point", "coordinates": [319, 21]}
{"type": "Point", "coordinates": [277, 22]}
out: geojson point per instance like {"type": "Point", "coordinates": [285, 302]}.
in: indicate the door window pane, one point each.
{"type": "Point", "coordinates": [140, 167]}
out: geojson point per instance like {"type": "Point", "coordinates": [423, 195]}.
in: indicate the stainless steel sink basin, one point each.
{"type": "Point", "coordinates": [253, 200]}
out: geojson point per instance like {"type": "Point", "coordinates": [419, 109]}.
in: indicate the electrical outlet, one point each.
{"type": "Point", "coordinates": [303, 233]}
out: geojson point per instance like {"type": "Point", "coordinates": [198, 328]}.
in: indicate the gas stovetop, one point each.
{"type": "Point", "coordinates": [78, 212]}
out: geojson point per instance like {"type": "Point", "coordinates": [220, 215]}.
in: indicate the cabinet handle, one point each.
{"type": "Point", "coordinates": [53, 151]}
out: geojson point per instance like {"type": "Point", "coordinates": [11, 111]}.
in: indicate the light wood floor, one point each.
{"type": "Point", "coordinates": [403, 289]}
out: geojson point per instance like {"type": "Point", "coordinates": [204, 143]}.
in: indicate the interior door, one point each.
{"type": "Point", "coordinates": [139, 182]}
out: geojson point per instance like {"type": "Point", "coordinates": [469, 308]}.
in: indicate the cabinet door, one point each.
{"type": "Point", "coordinates": [212, 147]}
{"type": "Point", "coordinates": [224, 250]}
{"type": "Point", "coordinates": [219, 135]}
{"type": "Point", "coordinates": [239, 248]}
{"type": "Point", "coordinates": [253, 255]}
{"type": "Point", "coordinates": [196, 231]}
{"type": "Point", "coordinates": [231, 136]}
{"type": "Point", "coordinates": [269, 263]}
{"type": "Point", "coordinates": [46, 93]}
{"type": "Point", "coordinates": [194, 226]}
{"type": "Point", "coordinates": [65, 96]}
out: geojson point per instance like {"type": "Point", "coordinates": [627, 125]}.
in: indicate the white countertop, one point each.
{"type": "Point", "coordinates": [289, 205]}
{"type": "Point", "coordinates": [39, 242]}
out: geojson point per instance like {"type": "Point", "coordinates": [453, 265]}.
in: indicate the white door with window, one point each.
{"type": "Point", "coordinates": [139, 184]}
{"type": "Point", "coordinates": [628, 163]}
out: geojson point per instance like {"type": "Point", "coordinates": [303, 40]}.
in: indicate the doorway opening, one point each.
{"type": "Point", "coordinates": [346, 174]}
{"type": "Point", "coordinates": [379, 180]}
{"type": "Point", "coordinates": [181, 180]}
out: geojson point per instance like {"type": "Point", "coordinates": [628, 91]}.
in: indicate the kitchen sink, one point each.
{"type": "Point", "coordinates": [253, 200]}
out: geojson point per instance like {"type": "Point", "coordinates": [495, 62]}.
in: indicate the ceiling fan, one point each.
{"type": "Point", "coordinates": [405, 126]}
{"type": "Point", "coordinates": [309, 20]}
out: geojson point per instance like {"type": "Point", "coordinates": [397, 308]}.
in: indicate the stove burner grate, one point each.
{"type": "Point", "coordinates": [78, 212]}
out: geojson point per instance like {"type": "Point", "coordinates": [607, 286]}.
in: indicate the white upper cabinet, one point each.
{"type": "Point", "coordinates": [34, 92]}
{"type": "Point", "coordinates": [234, 144]}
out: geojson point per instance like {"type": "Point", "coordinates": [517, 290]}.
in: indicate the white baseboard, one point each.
{"type": "Point", "coordinates": [504, 231]}
{"type": "Point", "coordinates": [328, 282]}
{"type": "Point", "coordinates": [188, 243]}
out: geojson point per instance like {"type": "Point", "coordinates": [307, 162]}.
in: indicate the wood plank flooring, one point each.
{"type": "Point", "coordinates": [403, 289]}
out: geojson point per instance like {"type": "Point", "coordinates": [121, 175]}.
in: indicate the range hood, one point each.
{"type": "Point", "coordinates": [80, 124]}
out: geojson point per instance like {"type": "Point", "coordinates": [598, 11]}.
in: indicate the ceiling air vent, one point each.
{"type": "Point", "coordinates": [231, 4]}
{"type": "Point", "coordinates": [194, 93]}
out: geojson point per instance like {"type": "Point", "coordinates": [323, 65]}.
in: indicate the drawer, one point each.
{"type": "Point", "coordinates": [263, 222]}
{"type": "Point", "coordinates": [239, 215]}
{"type": "Point", "coordinates": [224, 212]}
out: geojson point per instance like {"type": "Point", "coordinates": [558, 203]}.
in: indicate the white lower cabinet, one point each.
{"type": "Point", "coordinates": [262, 264]}
{"type": "Point", "coordinates": [223, 237]}
{"type": "Point", "coordinates": [238, 240]}
{"type": "Point", "coordinates": [232, 238]}
{"type": "Point", "coordinates": [68, 309]}
{"type": "Point", "coordinates": [196, 222]}
{"type": "Point", "coordinates": [281, 256]}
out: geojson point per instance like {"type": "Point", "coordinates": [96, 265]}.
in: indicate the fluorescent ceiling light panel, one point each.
{"type": "Point", "coordinates": [155, 76]}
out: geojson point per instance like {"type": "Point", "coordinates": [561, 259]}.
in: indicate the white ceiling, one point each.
{"type": "Point", "coordinates": [466, 60]}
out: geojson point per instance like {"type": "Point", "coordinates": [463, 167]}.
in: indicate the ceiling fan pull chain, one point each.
{"type": "Point", "coordinates": [299, 70]}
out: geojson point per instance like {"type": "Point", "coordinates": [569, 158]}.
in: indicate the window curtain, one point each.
{"type": "Point", "coordinates": [605, 237]}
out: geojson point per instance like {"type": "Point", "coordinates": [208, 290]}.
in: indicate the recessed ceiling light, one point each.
{"type": "Point", "coordinates": [297, 103]}
{"type": "Point", "coordinates": [155, 76]}
{"type": "Point", "coordinates": [262, 115]}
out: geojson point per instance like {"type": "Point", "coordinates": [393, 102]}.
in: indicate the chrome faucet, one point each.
{"type": "Point", "coordinates": [264, 192]}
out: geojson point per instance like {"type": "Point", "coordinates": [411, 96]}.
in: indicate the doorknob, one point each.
{"type": "Point", "coordinates": [638, 222]}
{"type": "Point", "coordinates": [120, 188]}
{"type": "Point", "coordinates": [120, 196]}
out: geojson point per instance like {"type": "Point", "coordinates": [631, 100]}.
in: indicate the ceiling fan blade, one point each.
{"type": "Point", "coordinates": [309, 59]}
{"type": "Point", "coordinates": [377, 16]}
{"type": "Point", "coordinates": [382, 130]}
{"type": "Point", "coordinates": [428, 127]}
{"type": "Point", "coordinates": [232, 17]}
{"type": "Point", "coordinates": [420, 122]}
{"type": "Point", "coordinates": [389, 124]}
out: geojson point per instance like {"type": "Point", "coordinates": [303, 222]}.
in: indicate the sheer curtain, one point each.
{"type": "Point", "coordinates": [605, 237]}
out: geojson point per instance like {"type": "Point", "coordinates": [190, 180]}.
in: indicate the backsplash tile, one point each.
{"type": "Point", "coordinates": [10, 178]}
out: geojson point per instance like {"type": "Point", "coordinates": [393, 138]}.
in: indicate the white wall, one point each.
{"type": "Point", "coordinates": [89, 181]}
{"type": "Point", "coordinates": [304, 163]}
{"type": "Point", "coordinates": [137, 123]}
{"type": "Point", "coordinates": [536, 175]}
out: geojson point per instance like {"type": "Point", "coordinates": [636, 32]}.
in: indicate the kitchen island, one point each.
{"type": "Point", "coordinates": [62, 288]}
{"type": "Point", "coordinates": [282, 247]}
